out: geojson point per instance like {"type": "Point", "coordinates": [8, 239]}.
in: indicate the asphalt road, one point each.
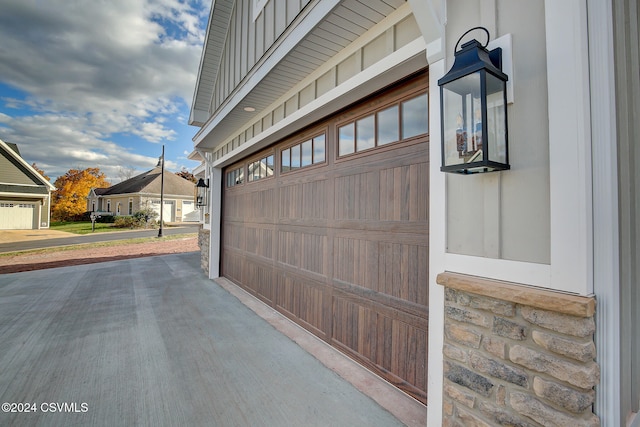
{"type": "Point", "coordinates": [93, 238]}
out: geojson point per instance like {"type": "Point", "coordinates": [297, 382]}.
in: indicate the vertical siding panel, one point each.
{"type": "Point", "coordinates": [269, 23]}
{"type": "Point", "coordinates": [280, 13]}
{"type": "Point", "coordinates": [259, 25]}
{"type": "Point", "coordinates": [237, 43]}
{"type": "Point", "coordinates": [293, 8]}
{"type": "Point", "coordinates": [251, 38]}
{"type": "Point", "coordinates": [244, 31]}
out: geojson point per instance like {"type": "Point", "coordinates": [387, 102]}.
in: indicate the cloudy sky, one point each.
{"type": "Point", "coordinates": [100, 83]}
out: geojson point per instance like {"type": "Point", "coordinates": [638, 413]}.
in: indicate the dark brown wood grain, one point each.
{"type": "Point", "coordinates": [341, 247]}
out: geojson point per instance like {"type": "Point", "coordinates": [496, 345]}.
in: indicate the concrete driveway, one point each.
{"type": "Point", "coordinates": [151, 341]}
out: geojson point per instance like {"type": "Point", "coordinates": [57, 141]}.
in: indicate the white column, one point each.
{"type": "Point", "coordinates": [569, 146]}
{"type": "Point", "coordinates": [215, 221]}
{"type": "Point", "coordinates": [437, 247]}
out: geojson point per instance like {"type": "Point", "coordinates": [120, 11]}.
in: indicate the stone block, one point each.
{"type": "Point", "coordinates": [508, 329]}
{"type": "Point", "coordinates": [494, 346]}
{"type": "Point", "coordinates": [501, 395]}
{"type": "Point", "coordinates": [460, 396]}
{"type": "Point", "coordinates": [581, 351]}
{"type": "Point", "coordinates": [470, 420]}
{"type": "Point", "coordinates": [455, 353]}
{"type": "Point", "coordinates": [451, 295]}
{"type": "Point", "coordinates": [502, 416]}
{"type": "Point", "coordinates": [584, 376]}
{"type": "Point", "coordinates": [466, 316]}
{"type": "Point", "coordinates": [451, 422]}
{"type": "Point", "coordinates": [447, 407]}
{"type": "Point", "coordinates": [563, 323]}
{"type": "Point", "coordinates": [531, 407]}
{"type": "Point", "coordinates": [567, 397]}
{"type": "Point", "coordinates": [498, 369]}
{"type": "Point", "coordinates": [469, 379]}
{"type": "Point", "coordinates": [493, 305]}
{"type": "Point", "coordinates": [462, 335]}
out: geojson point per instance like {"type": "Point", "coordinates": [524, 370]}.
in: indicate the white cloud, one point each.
{"type": "Point", "coordinates": [96, 69]}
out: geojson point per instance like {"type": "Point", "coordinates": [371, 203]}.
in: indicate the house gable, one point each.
{"type": "Point", "coordinates": [149, 183]}
{"type": "Point", "coordinates": [17, 175]}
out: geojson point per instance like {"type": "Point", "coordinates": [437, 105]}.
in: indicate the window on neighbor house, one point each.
{"type": "Point", "coordinates": [395, 123]}
{"type": "Point", "coordinates": [108, 205]}
{"type": "Point", "coordinates": [306, 153]}
{"type": "Point", "coordinates": [130, 207]}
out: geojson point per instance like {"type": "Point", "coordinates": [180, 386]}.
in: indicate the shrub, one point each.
{"type": "Point", "coordinates": [126, 222]}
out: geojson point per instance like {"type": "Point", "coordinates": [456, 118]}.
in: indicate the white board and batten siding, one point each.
{"type": "Point", "coordinates": [255, 26]}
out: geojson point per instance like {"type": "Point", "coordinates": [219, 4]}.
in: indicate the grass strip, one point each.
{"type": "Point", "coordinates": [137, 240]}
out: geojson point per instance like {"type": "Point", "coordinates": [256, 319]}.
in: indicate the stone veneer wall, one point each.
{"type": "Point", "coordinates": [517, 356]}
{"type": "Point", "coordinates": [203, 242]}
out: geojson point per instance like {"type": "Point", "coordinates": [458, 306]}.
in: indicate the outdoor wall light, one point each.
{"type": "Point", "coordinates": [473, 110]}
{"type": "Point", "coordinates": [201, 196]}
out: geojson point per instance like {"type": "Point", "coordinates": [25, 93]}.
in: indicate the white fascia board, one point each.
{"type": "Point", "coordinates": [198, 117]}
{"type": "Point", "coordinates": [305, 115]}
{"type": "Point", "coordinates": [297, 35]}
{"type": "Point", "coordinates": [24, 195]}
{"type": "Point", "coordinates": [200, 169]}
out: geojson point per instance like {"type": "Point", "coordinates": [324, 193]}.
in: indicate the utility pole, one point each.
{"type": "Point", "coordinates": [161, 191]}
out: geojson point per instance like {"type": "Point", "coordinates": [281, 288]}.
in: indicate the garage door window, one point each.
{"type": "Point", "coordinates": [262, 168]}
{"type": "Point", "coordinates": [396, 123]}
{"type": "Point", "coordinates": [306, 153]}
{"type": "Point", "coordinates": [235, 177]}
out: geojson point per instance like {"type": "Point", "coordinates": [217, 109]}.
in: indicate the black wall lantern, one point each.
{"type": "Point", "coordinates": [473, 110]}
{"type": "Point", "coordinates": [201, 196]}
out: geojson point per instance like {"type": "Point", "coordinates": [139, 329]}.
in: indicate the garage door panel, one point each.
{"type": "Point", "coordinates": [303, 298]}
{"type": "Point", "coordinates": [383, 344]}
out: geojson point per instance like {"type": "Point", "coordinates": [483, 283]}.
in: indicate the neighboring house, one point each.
{"type": "Point", "coordinates": [143, 191]}
{"type": "Point", "coordinates": [25, 195]}
{"type": "Point", "coordinates": [499, 298]}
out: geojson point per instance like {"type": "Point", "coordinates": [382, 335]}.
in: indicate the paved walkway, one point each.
{"type": "Point", "coordinates": [151, 341]}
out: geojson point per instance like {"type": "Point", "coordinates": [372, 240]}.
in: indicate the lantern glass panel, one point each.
{"type": "Point", "coordinates": [462, 120]}
{"type": "Point", "coordinates": [496, 119]}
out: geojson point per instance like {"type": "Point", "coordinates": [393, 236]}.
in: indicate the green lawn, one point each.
{"type": "Point", "coordinates": [83, 227]}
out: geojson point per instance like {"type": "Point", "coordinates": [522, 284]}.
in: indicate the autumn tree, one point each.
{"type": "Point", "coordinates": [70, 197]}
{"type": "Point", "coordinates": [186, 175]}
{"type": "Point", "coordinates": [40, 171]}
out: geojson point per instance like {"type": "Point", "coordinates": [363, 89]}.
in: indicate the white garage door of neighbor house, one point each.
{"type": "Point", "coordinates": [187, 207]}
{"type": "Point", "coordinates": [17, 216]}
{"type": "Point", "coordinates": [167, 212]}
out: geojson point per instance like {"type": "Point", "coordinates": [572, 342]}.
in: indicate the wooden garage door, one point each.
{"type": "Point", "coordinates": [17, 215]}
{"type": "Point", "coordinates": [330, 227]}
